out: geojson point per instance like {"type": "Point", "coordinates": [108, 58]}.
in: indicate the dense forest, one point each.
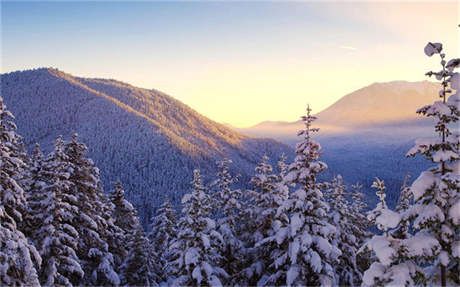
{"type": "Point", "coordinates": [58, 227]}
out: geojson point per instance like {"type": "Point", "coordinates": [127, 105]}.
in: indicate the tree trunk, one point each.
{"type": "Point", "coordinates": [443, 275]}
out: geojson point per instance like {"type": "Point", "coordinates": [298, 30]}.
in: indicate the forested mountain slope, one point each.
{"type": "Point", "coordinates": [145, 138]}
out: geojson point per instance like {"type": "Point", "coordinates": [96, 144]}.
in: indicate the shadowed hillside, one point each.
{"type": "Point", "coordinates": [145, 138]}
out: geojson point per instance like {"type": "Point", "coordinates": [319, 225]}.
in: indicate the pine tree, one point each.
{"type": "Point", "coordinates": [141, 267]}
{"type": "Point", "coordinates": [126, 221]}
{"type": "Point", "coordinates": [196, 260]}
{"type": "Point", "coordinates": [306, 255]}
{"type": "Point", "coordinates": [163, 231]}
{"type": "Point", "coordinates": [18, 258]}
{"type": "Point", "coordinates": [361, 221]}
{"type": "Point", "coordinates": [94, 224]}
{"type": "Point", "coordinates": [265, 198]}
{"type": "Point", "coordinates": [404, 202]}
{"type": "Point", "coordinates": [228, 203]}
{"type": "Point", "coordinates": [347, 233]}
{"type": "Point", "coordinates": [393, 265]}
{"type": "Point", "coordinates": [50, 224]}
{"type": "Point", "coordinates": [435, 213]}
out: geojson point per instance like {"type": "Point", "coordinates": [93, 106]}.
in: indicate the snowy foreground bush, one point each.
{"type": "Point", "coordinates": [58, 227]}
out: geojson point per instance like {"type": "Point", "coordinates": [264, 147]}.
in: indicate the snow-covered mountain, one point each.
{"type": "Point", "coordinates": [367, 133]}
{"type": "Point", "coordinates": [377, 108]}
{"type": "Point", "coordinates": [145, 138]}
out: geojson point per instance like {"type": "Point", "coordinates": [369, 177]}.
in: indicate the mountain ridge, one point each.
{"type": "Point", "coordinates": [147, 139]}
{"type": "Point", "coordinates": [373, 107]}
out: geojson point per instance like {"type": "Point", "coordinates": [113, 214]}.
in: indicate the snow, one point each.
{"type": "Point", "coordinates": [388, 219]}
{"type": "Point", "coordinates": [455, 81]}
{"type": "Point", "coordinates": [422, 244]}
{"type": "Point", "coordinates": [444, 258]}
{"type": "Point", "coordinates": [456, 249]}
{"type": "Point", "coordinates": [454, 212]}
{"type": "Point", "coordinates": [376, 270]}
{"type": "Point", "coordinates": [294, 250]}
{"type": "Point", "coordinates": [196, 274]}
{"type": "Point", "coordinates": [382, 248]}
{"type": "Point", "coordinates": [425, 181]}
{"type": "Point", "coordinates": [315, 261]}
{"type": "Point", "coordinates": [445, 155]}
{"type": "Point", "coordinates": [291, 275]}
{"type": "Point", "coordinates": [296, 223]}
{"type": "Point", "coordinates": [426, 213]}
{"type": "Point", "coordinates": [432, 48]}
{"type": "Point", "coordinates": [192, 256]}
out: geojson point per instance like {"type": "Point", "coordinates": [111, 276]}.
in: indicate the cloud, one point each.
{"type": "Point", "coordinates": [348, 48]}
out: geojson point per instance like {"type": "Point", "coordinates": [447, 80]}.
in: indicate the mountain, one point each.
{"type": "Point", "coordinates": [147, 139]}
{"type": "Point", "coordinates": [367, 133]}
{"type": "Point", "coordinates": [372, 109]}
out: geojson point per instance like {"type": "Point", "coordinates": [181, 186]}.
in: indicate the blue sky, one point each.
{"type": "Point", "coordinates": [235, 62]}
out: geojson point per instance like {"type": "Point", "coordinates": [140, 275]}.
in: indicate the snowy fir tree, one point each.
{"type": "Point", "coordinates": [163, 231]}
{"type": "Point", "coordinates": [435, 215]}
{"type": "Point", "coordinates": [260, 215]}
{"type": "Point", "coordinates": [126, 222]}
{"type": "Point", "coordinates": [348, 233]}
{"type": "Point", "coordinates": [306, 254]}
{"type": "Point", "coordinates": [195, 251]}
{"type": "Point", "coordinates": [141, 267]}
{"type": "Point", "coordinates": [94, 224]}
{"type": "Point", "coordinates": [50, 223]}
{"type": "Point", "coordinates": [404, 202]}
{"type": "Point", "coordinates": [393, 261]}
{"type": "Point", "coordinates": [228, 204]}
{"type": "Point", "coordinates": [18, 258]}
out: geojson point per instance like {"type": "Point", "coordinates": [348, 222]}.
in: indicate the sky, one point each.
{"type": "Point", "coordinates": [235, 62]}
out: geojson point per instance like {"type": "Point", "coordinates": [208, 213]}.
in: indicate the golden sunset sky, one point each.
{"type": "Point", "coordinates": [235, 62]}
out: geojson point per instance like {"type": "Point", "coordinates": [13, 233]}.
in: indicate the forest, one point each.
{"type": "Point", "coordinates": [58, 227]}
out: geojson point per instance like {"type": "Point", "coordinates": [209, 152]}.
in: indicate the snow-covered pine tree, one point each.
{"type": "Point", "coordinates": [229, 209]}
{"type": "Point", "coordinates": [360, 220]}
{"type": "Point", "coordinates": [404, 202]}
{"type": "Point", "coordinates": [94, 224]}
{"type": "Point", "coordinates": [264, 200]}
{"type": "Point", "coordinates": [283, 167]}
{"type": "Point", "coordinates": [392, 266]}
{"type": "Point", "coordinates": [141, 267]}
{"type": "Point", "coordinates": [50, 223]}
{"type": "Point", "coordinates": [348, 233]}
{"type": "Point", "coordinates": [18, 258]}
{"type": "Point", "coordinates": [436, 209]}
{"type": "Point", "coordinates": [305, 255]}
{"type": "Point", "coordinates": [195, 251]}
{"type": "Point", "coordinates": [124, 217]}
{"type": "Point", "coordinates": [163, 231]}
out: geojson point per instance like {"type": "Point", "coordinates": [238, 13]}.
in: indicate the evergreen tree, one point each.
{"type": "Point", "coordinates": [94, 224]}
{"type": "Point", "coordinates": [126, 221]}
{"type": "Point", "coordinates": [306, 255]}
{"type": "Point", "coordinates": [347, 233]}
{"type": "Point", "coordinates": [435, 213]}
{"type": "Point", "coordinates": [141, 267]}
{"type": "Point", "coordinates": [229, 212]}
{"type": "Point", "coordinates": [195, 252]}
{"type": "Point", "coordinates": [404, 202]}
{"type": "Point", "coordinates": [50, 224]}
{"type": "Point", "coordinates": [393, 265]}
{"type": "Point", "coordinates": [265, 198]}
{"type": "Point", "coordinates": [163, 231]}
{"type": "Point", "coordinates": [361, 221]}
{"type": "Point", "coordinates": [18, 258]}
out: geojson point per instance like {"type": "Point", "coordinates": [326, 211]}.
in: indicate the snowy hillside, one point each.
{"type": "Point", "coordinates": [145, 138]}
